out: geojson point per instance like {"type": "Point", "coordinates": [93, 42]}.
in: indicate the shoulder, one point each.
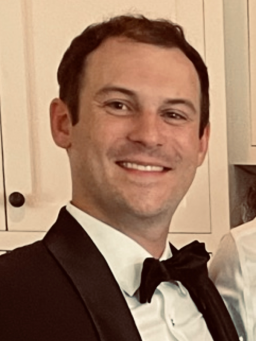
{"type": "Point", "coordinates": [28, 276]}
{"type": "Point", "coordinates": [239, 245]}
{"type": "Point", "coordinates": [38, 301]}
{"type": "Point", "coordinates": [236, 252]}
{"type": "Point", "coordinates": [244, 233]}
{"type": "Point", "coordinates": [237, 239]}
{"type": "Point", "coordinates": [22, 256]}
{"type": "Point", "coordinates": [25, 264]}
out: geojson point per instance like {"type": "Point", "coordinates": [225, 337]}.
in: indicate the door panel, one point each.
{"type": "Point", "coordinates": [3, 226]}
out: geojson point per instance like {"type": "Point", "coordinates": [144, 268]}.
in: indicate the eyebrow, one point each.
{"type": "Point", "coordinates": [109, 88]}
{"type": "Point", "coordinates": [112, 88]}
{"type": "Point", "coordinates": [183, 101]}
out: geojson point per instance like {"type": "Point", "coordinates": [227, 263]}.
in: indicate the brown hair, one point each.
{"type": "Point", "coordinates": [138, 28]}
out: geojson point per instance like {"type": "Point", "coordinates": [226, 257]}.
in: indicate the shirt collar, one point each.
{"type": "Point", "coordinates": [127, 260]}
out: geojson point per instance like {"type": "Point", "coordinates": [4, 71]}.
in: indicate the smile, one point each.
{"type": "Point", "coordinates": [143, 168]}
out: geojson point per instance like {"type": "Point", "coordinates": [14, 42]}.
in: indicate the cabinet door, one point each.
{"type": "Point", "coordinates": [2, 196]}
{"type": "Point", "coordinates": [213, 52]}
{"type": "Point", "coordinates": [252, 67]}
{"type": "Point", "coordinates": [35, 36]}
{"type": "Point", "coordinates": [193, 214]}
{"type": "Point", "coordinates": [29, 153]}
{"type": "Point", "coordinates": [240, 53]}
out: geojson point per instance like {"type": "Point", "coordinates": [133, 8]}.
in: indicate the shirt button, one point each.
{"type": "Point", "coordinates": [172, 320]}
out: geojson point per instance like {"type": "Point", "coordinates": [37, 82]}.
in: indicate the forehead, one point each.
{"type": "Point", "coordinates": [123, 60]}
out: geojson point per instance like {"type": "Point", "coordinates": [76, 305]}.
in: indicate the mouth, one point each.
{"type": "Point", "coordinates": [142, 167]}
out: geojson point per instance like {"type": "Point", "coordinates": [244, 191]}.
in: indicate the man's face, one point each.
{"type": "Point", "coordinates": [136, 146]}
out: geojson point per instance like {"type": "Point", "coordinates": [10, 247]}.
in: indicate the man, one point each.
{"type": "Point", "coordinates": [133, 117]}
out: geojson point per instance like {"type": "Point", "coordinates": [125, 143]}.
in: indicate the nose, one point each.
{"type": "Point", "coordinates": [146, 130]}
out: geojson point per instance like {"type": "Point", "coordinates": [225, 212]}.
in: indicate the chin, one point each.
{"type": "Point", "coordinates": [149, 211]}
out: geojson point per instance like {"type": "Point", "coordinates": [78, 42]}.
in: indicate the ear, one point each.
{"type": "Point", "coordinates": [203, 145]}
{"type": "Point", "coordinates": [61, 125]}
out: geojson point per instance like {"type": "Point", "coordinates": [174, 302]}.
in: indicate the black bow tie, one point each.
{"type": "Point", "coordinates": [187, 265]}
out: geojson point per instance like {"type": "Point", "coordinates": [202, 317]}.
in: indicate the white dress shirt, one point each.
{"type": "Point", "coordinates": [171, 315]}
{"type": "Point", "coordinates": [233, 270]}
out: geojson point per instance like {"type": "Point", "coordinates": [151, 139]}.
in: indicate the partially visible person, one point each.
{"type": "Point", "coordinates": [233, 270]}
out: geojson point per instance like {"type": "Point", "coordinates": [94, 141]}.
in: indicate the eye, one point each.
{"type": "Point", "coordinates": [117, 105]}
{"type": "Point", "coordinates": [118, 108]}
{"type": "Point", "coordinates": [174, 116]}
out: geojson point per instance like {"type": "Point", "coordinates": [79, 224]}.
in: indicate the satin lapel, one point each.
{"type": "Point", "coordinates": [90, 274]}
{"type": "Point", "coordinates": [210, 304]}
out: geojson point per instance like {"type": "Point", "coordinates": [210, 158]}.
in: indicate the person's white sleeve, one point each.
{"type": "Point", "coordinates": [225, 272]}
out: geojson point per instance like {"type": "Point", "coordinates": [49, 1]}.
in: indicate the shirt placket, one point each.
{"type": "Point", "coordinates": [169, 315]}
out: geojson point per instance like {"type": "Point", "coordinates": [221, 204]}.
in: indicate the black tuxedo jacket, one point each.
{"type": "Point", "coordinates": [61, 289]}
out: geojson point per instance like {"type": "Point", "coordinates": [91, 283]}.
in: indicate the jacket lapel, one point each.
{"type": "Point", "coordinates": [209, 302]}
{"type": "Point", "coordinates": [83, 263]}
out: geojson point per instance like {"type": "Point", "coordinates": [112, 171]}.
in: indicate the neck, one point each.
{"type": "Point", "coordinates": [149, 232]}
{"type": "Point", "coordinates": [153, 242]}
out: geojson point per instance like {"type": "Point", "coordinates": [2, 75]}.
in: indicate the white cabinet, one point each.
{"type": "Point", "coordinates": [33, 37]}
{"type": "Point", "coordinates": [213, 24]}
{"type": "Point", "coordinates": [252, 67]}
{"type": "Point", "coordinates": [240, 61]}
{"type": "Point", "coordinates": [29, 153]}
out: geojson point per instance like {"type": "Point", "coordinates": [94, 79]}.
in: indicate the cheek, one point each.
{"type": "Point", "coordinates": [109, 132]}
{"type": "Point", "coordinates": [99, 143]}
{"type": "Point", "coordinates": [186, 147]}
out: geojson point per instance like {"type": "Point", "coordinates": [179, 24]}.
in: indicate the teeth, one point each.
{"type": "Point", "coordinates": [147, 168]}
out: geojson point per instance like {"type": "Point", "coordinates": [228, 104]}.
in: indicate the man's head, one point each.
{"type": "Point", "coordinates": [134, 145]}
{"type": "Point", "coordinates": [140, 29]}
